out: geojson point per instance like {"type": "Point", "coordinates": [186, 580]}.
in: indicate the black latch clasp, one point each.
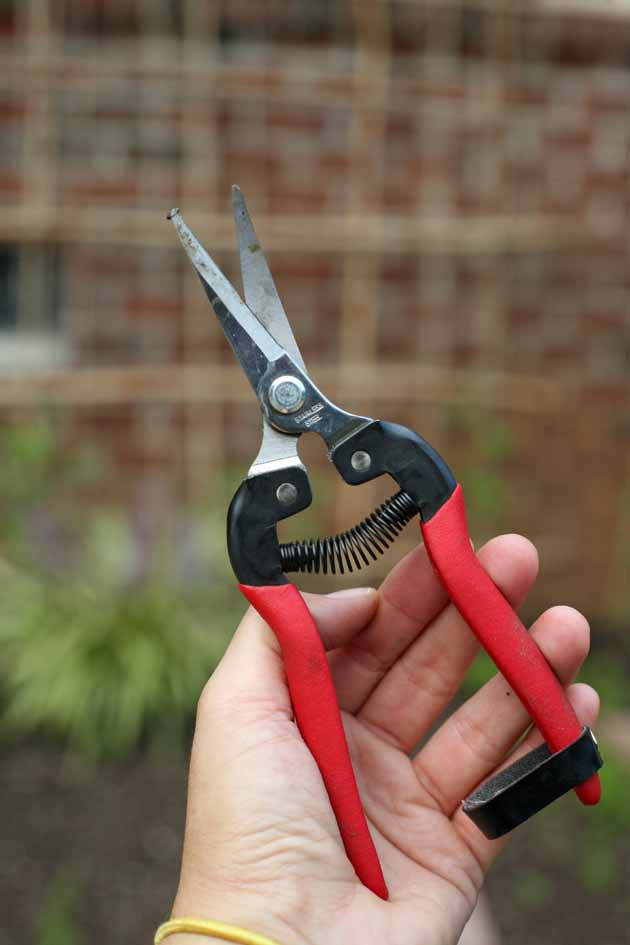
{"type": "Point", "coordinates": [537, 779]}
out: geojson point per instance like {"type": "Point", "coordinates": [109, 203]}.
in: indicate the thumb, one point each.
{"type": "Point", "coordinates": [251, 669]}
{"type": "Point", "coordinates": [251, 773]}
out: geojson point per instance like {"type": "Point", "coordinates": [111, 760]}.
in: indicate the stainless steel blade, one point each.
{"type": "Point", "coordinates": [277, 451]}
{"type": "Point", "coordinates": [259, 288]}
{"type": "Point", "coordinates": [252, 344]}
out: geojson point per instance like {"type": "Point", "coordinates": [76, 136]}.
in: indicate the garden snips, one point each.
{"type": "Point", "coordinates": [277, 486]}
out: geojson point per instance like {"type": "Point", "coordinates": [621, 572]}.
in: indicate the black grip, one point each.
{"type": "Point", "coordinates": [253, 515]}
{"type": "Point", "coordinates": [412, 462]}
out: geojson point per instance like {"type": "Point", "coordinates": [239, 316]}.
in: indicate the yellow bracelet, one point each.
{"type": "Point", "coordinates": [229, 933]}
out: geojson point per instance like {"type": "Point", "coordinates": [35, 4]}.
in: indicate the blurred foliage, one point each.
{"type": "Point", "coordinates": [490, 445]}
{"type": "Point", "coordinates": [600, 858]}
{"type": "Point", "coordinates": [57, 924]}
{"type": "Point", "coordinates": [109, 635]}
{"type": "Point", "coordinates": [613, 809]}
{"type": "Point", "coordinates": [533, 889]}
{"type": "Point", "coordinates": [39, 476]}
{"type": "Point", "coordinates": [105, 670]}
{"type": "Point", "coordinates": [620, 603]}
{"type": "Point", "coordinates": [478, 675]}
{"type": "Point", "coordinates": [609, 676]}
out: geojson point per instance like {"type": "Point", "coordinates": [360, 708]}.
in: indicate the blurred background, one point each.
{"type": "Point", "coordinates": [442, 190]}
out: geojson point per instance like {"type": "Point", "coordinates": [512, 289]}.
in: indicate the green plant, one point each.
{"type": "Point", "coordinates": [606, 672]}
{"type": "Point", "coordinates": [39, 478]}
{"type": "Point", "coordinates": [620, 569]}
{"type": "Point", "coordinates": [479, 673]}
{"type": "Point", "coordinates": [56, 923]}
{"type": "Point", "coordinates": [532, 889]}
{"type": "Point", "coordinates": [490, 441]}
{"type": "Point", "coordinates": [109, 649]}
{"type": "Point", "coordinates": [104, 671]}
{"type": "Point", "coordinates": [597, 847]}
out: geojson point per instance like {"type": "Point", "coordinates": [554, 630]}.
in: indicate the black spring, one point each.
{"type": "Point", "coordinates": [356, 547]}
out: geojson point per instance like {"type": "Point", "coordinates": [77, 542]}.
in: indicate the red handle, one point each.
{"type": "Point", "coordinates": [500, 632]}
{"type": "Point", "coordinates": [318, 717]}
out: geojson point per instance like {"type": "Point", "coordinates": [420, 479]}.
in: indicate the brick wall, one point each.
{"type": "Point", "coordinates": [443, 190]}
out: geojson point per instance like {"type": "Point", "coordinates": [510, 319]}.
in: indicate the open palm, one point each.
{"type": "Point", "coordinates": [262, 848]}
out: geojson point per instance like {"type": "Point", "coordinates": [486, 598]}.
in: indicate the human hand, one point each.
{"type": "Point", "coordinates": [262, 848]}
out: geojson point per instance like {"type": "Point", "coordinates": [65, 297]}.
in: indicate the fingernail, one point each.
{"type": "Point", "coordinates": [357, 592]}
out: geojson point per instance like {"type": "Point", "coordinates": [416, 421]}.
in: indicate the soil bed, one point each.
{"type": "Point", "coordinates": [110, 836]}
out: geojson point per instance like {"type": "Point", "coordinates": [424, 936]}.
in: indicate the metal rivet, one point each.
{"type": "Point", "coordinates": [286, 493]}
{"type": "Point", "coordinates": [360, 461]}
{"type": "Point", "coordinates": [287, 394]}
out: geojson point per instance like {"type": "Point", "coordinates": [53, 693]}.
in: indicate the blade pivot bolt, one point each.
{"type": "Point", "coordinates": [361, 461]}
{"type": "Point", "coordinates": [287, 394]}
{"type": "Point", "coordinates": [286, 493]}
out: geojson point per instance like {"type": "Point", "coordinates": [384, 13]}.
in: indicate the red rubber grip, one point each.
{"type": "Point", "coordinates": [319, 719]}
{"type": "Point", "coordinates": [501, 633]}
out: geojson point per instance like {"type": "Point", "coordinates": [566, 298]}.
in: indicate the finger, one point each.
{"type": "Point", "coordinates": [481, 732]}
{"type": "Point", "coordinates": [251, 670]}
{"type": "Point", "coordinates": [585, 701]}
{"type": "Point", "coordinates": [409, 597]}
{"type": "Point", "coordinates": [425, 678]}
{"type": "Point", "coordinates": [340, 616]}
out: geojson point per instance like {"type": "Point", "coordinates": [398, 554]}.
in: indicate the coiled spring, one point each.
{"type": "Point", "coordinates": [356, 547]}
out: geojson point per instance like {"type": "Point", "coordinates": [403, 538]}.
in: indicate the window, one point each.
{"type": "Point", "coordinates": [30, 306]}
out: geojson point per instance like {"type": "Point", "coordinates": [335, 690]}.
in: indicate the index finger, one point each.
{"type": "Point", "coordinates": [411, 599]}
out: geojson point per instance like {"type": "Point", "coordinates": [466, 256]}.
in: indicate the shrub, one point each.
{"type": "Point", "coordinates": [105, 671]}
{"type": "Point", "coordinates": [110, 620]}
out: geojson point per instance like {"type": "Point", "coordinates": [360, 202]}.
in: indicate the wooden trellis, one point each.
{"type": "Point", "coordinates": [123, 114]}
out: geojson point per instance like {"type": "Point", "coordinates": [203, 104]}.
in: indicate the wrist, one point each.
{"type": "Point", "coordinates": [196, 929]}
{"type": "Point", "coordinates": [266, 915]}
{"type": "Point", "coordinates": [192, 931]}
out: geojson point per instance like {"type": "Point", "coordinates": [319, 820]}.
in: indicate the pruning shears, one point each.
{"type": "Point", "coordinates": [361, 448]}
